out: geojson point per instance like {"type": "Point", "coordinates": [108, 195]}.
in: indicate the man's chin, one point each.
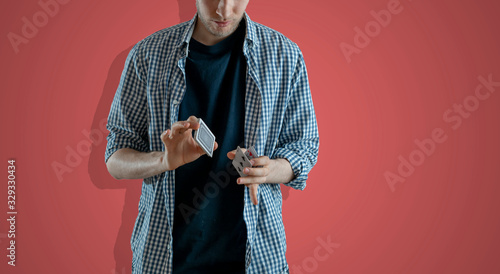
{"type": "Point", "coordinates": [223, 33]}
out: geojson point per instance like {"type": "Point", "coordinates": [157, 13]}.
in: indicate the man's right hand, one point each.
{"type": "Point", "coordinates": [180, 146]}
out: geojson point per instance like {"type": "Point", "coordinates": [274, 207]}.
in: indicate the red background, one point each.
{"type": "Point", "coordinates": [442, 219]}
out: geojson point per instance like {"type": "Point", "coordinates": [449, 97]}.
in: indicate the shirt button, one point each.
{"type": "Point", "coordinates": [175, 102]}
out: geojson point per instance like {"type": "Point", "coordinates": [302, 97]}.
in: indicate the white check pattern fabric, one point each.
{"type": "Point", "coordinates": [279, 120]}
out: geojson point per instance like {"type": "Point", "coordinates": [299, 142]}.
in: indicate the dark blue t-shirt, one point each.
{"type": "Point", "coordinates": [209, 234]}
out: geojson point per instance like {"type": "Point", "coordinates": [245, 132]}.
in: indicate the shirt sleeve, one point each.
{"type": "Point", "coordinates": [299, 139]}
{"type": "Point", "coordinates": [128, 117]}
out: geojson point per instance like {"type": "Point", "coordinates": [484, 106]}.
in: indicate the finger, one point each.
{"type": "Point", "coordinates": [260, 161]}
{"type": "Point", "coordinates": [216, 145]}
{"type": "Point", "coordinates": [193, 120]}
{"type": "Point", "coordinates": [248, 180]}
{"type": "Point", "coordinates": [256, 171]}
{"type": "Point", "coordinates": [231, 154]}
{"type": "Point", "coordinates": [165, 136]}
{"type": "Point", "coordinates": [253, 193]}
{"type": "Point", "coordinates": [178, 128]}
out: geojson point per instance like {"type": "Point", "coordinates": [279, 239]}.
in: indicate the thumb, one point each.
{"type": "Point", "coordinates": [231, 154]}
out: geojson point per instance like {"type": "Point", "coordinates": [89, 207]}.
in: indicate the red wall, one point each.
{"type": "Point", "coordinates": [408, 173]}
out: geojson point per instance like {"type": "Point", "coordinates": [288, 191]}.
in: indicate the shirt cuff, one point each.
{"type": "Point", "coordinates": [116, 142]}
{"type": "Point", "coordinates": [297, 164]}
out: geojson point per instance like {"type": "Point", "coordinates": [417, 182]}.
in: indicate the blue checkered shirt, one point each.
{"type": "Point", "coordinates": [279, 120]}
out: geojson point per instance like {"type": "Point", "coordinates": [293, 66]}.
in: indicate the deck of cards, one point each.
{"type": "Point", "coordinates": [242, 159]}
{"type": "Point", "coordinates": [205, 138]}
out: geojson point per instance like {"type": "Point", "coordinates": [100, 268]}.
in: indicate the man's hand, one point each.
{"type": "Point", "coordinates": [264, 170]}
{"type": "Point", "coordinates": [180, 146]}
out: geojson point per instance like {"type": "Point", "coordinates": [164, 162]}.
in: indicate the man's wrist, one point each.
{"type": "Point", "coordinates": [281, 171]}
{"type": "Point", "coordinates": [162, 161]}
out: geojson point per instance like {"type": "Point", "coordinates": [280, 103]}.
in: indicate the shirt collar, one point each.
{"type": "Point", "coordinates": [250, 36]}
{"type": "Point", "coordinates": [188, 32]}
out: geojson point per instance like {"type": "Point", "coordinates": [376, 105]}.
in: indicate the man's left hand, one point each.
{"type": "Point", "coordinates": [263, 170]}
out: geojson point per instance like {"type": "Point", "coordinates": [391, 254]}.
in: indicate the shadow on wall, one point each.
{"type": "Point", "coordinates": [97, 168]}
{"type": "Point", "coordinates": [102, 179]}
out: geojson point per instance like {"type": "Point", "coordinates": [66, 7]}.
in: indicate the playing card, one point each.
{"type": "Point", "coordinates": [241, 161]}
{"type": "Point", "coordinates": [205, 138]}
{"type": "Point", "coordinates": [251, 153]}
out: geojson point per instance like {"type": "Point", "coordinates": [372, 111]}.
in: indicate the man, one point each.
{"type": "Point", "coordinates": [249, 84]}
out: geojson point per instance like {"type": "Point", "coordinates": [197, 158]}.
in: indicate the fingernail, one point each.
{"type": "Point", "coordinates": [252, 162]}
{"type": "Point", "coordinates": [238, 181]}
{"type": "Point", "coordinates": [246, 170]}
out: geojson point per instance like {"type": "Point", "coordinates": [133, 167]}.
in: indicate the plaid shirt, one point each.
{"type": "Point", "coordinates": [279, 120]}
